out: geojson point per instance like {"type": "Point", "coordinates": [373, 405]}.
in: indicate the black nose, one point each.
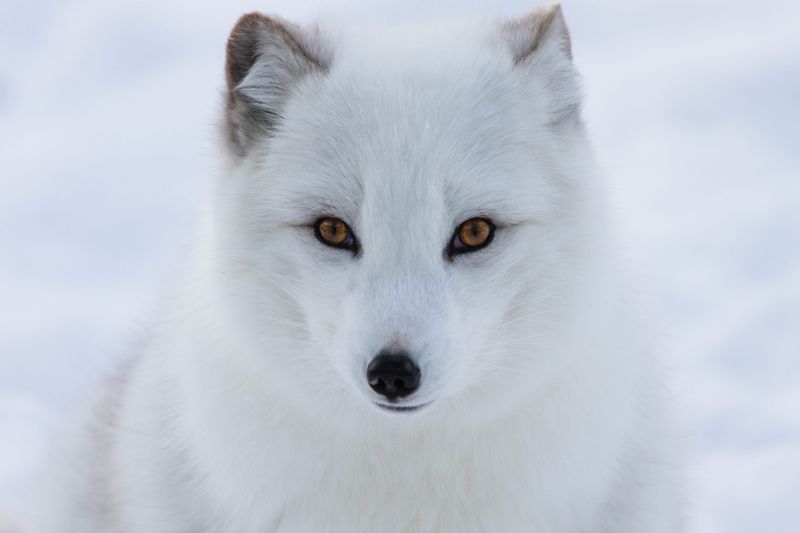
{"type": "Point", "coordinates": [393, 375]}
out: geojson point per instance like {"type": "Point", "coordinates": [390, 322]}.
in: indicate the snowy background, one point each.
{"type": "Point", "coordinates": [107, 114]}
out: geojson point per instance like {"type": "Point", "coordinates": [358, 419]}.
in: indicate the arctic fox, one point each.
{"type": "Point", "coordinates": [404, 314]}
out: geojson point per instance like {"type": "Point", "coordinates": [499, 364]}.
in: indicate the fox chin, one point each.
{"type": "Point", "coordinates": [404, 314]}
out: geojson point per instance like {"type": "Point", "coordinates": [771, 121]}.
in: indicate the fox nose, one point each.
{"type": "Point", "coordinates": [393, 375]}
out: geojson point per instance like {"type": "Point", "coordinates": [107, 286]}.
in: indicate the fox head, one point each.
{"type": "Point", "coordinates": [403, 214]}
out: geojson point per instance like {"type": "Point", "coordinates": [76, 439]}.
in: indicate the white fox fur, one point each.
{"type": "Point", "coordinates": [249, 411]}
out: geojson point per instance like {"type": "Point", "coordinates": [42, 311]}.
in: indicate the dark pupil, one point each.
{"type": "Point", "coordinates": [335, 228]}
{"type": "Point", "coordinates": [474, 229]}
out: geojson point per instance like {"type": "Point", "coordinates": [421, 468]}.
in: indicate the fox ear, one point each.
{"type": "Point", "coordinates": [540, 43]}
{"type": "Point", "coordinates": [265, 59]}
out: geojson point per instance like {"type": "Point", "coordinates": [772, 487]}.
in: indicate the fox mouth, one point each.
{"type": "Point", "coordinates": [402, 408]}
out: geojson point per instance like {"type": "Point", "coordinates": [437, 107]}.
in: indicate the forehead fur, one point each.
{"type": "Point", "coordinates": [386, 135]}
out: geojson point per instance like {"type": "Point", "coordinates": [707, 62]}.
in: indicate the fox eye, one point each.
{"type": "Point", "coordinates": [470, 236]}
{"type": "Point", "coordinates": [334, 232]}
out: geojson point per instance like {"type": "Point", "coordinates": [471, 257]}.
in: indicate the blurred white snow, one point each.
{"type": "Point", "coordinates": [107, 122]}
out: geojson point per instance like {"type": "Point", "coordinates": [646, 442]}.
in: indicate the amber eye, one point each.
{"type": "Point", "coordinates": [471, 235]}
{"type": "Point", "coordinates": [336, 233]}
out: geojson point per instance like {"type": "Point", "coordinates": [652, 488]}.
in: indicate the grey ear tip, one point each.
{"type": "Point", "coordinates": [240, 49]}
{"type": "Point", "coordinates": [531, 31]}
{"type": "Point", "coordinates": [247, 26]}
{"type": "Point", "coordinates": [554, 17]}
{"type": "Point", "coordinates": [251, 17]}
{"type": "Point", "coordinates": [555, 11]}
